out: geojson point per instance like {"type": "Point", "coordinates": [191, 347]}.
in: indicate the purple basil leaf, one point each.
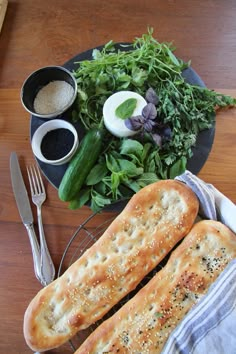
{"type": "Point", "coordinates": [149, 111]}
{"type": "Point", "coordinates": [148, 125]}
{"type": "Point", "coordinates": [134, 123]}
{"type": "Point", "coordinates": [151, 96]}
{"type": "Point", "coordinates": [167, 133]}
{"type": "Point", "coordinates": [157, 138]}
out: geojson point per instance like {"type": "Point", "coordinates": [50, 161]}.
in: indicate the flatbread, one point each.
{"type": "Point", "coordinates": [144, 323]}
{"type": "Point", "coordinates": [152, 223]}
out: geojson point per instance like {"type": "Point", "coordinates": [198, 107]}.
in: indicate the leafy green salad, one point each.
{"type": "Point", "coordinates": [164, 133]}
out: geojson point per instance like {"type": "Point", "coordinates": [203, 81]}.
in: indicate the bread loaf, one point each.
{"type": "Point", "coordinates": [151, 224]}
{"type": "Point", "coordinates": [144, 323]}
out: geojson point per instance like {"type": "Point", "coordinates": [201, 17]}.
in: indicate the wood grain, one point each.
{"type": "Point", "coordinates": [40, 32]}
{"type": "Point", "coordinates": [3, 9]}
{"type": "Point", "coordinates": [44, 32]}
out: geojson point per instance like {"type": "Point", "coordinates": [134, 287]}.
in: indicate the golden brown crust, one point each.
{"type": "Point", "coordinates": [151, 224]}
{"type": "Point", "coordinates": [144, 324]}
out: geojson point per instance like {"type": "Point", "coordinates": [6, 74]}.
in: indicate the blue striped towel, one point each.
{"type": "Point", "coordinates": [213, 204]}
{"type": "Point", "coordinates": [210, 327]}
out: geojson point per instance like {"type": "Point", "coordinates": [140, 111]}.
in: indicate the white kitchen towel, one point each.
{"type": "Point", "coordinates": [210, 327]}
{"type": "Point", "coordinates": [213, 204]}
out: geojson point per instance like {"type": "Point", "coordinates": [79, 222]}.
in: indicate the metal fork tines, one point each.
{"type": "Point", "coordinates": [38, 197]}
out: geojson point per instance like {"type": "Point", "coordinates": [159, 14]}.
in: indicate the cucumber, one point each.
{"type": "Point", "coordinates": [81, 164]}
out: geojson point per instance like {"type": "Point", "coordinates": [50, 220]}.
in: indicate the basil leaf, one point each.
{"type": "Point", "coordinates": [151, 96]}
{"type": "Point", "coordinates": [82, 198]}
{"type": "Point", "coordinates": [98, 201]}
{"type": "Point", "coordinates": [126, 108]}
{"type": "Point", "coordinates": [178, 168]}
{"type": "Point", "coordinates": [134, 123]}
{"type": "Point", "coordinates": [129, 168]}
{"type": "Point", "coordinates": [150, 165]}
{"type": "Point", "coordinates": [97, 173]}
{"type": "Point", "coordinates": [147, 178]}
{"type": "Point", "coordinates": [149, 111]}
{"type": "Point", "coordinates": [115, 182]}
{"type": "Point", "coordinates": [131, 147]}
{"type": "Point", "coordinates": [133, 185]}
{"type": "Point", "coordinates": [101, 188]}
{"type": "Point", "coordinates": [112, 164]}
{"type": "Point", "coordinates": [145, 151]}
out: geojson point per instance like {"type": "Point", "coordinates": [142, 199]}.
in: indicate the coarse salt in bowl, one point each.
{"type": "Point", "coordinates": [52, 137]}
{"type": "Point", "coordinates": [49, 91]}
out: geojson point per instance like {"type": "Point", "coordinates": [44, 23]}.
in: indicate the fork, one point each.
{"type": "Point", "coordinates": [38, 197]}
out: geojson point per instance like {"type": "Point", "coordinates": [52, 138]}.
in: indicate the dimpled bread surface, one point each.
{"type": "Point", "coordinates": [145, 322]}
{"type": "Point", "coordinates": [151, 224]}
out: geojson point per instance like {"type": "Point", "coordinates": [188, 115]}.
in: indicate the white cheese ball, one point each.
{"type": "Point", "coordinates": [113, 123]}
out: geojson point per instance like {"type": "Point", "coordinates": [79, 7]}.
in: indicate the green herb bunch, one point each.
{"type": "Point", "coordinates": [126, 165]}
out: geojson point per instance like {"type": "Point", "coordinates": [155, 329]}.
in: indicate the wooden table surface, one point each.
{"type": "Point", "coordinates": [37, 33]}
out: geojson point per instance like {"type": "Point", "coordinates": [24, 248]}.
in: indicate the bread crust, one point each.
{"type": "Point", "coordinates": [144, 323]}
{"type": "Point", "coordinates": [151, 224]}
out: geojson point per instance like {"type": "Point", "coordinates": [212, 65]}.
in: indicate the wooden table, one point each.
{"type": "Point", "coordinates": [38, 33]}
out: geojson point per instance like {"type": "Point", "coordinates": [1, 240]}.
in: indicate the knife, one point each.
{"type": "Point", "coordinates": [24, 208]}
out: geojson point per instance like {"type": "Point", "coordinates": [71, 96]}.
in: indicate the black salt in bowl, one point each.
{"type": "Point", "coordinates": [55, 142]}
{"type": "Point", "coordinates": [48, 92]}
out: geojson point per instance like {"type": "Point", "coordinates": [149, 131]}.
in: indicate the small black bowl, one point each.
{"type": "Point", "coordinates": [40, 78]}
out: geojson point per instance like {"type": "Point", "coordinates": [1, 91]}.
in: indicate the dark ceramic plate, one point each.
{"type": "Point", "coordinates": [200, 152]}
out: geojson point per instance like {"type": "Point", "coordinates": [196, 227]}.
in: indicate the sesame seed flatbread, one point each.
{"type": "Point", "coordinates": [153, 222]}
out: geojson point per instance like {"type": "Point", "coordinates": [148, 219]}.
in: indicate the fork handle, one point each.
{"type": "Point", "coordinates": [47, 266]}
{"type": "Point", "coordinates": [35, 251]}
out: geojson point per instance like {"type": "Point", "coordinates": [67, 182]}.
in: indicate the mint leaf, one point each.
{"type": "Point", "coordinates": [126, 108]}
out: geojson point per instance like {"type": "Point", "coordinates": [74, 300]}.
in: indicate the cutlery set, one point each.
{"type": "Point", "coordinates": [43, 265]}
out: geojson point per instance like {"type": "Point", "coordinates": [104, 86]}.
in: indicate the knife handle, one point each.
{"type": "Point", "coordinates": [35, 252]}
